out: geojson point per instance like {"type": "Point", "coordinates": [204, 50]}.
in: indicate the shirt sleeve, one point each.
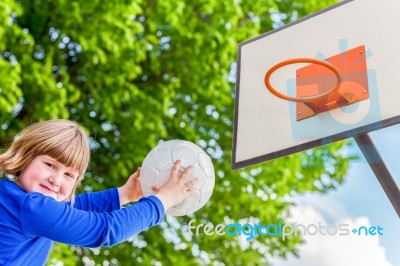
{"type": "Point", "coordinates": [102, 201]}
{"type": "Point", "coordinates": [46, 217]}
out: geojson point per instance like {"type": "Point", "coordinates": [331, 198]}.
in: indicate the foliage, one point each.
{"type": "Point", "coordinates": [137, 72]}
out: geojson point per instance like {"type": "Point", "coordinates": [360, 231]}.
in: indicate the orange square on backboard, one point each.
{"type": "Point", "coordinates": [314, 80]}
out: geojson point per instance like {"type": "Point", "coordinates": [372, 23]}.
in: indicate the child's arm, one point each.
{"type": "Point", "coordinates": [43, 216]}
{"type": "Point", "coordinates": [101, 201]}
{"type": "Point", "coordinates": [111, 199]}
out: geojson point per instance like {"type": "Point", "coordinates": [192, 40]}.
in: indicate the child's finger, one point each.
{"type": "Point", "coordinates": [155, 188]}
{"type": "Point", "coordinates": [192, 182]}
{"type": "Point", "coordinates": [175, 169]}
{"type": "Point", "coordinates": [136, 174]}
{"type": "Point", "coordinates": [186, 172]}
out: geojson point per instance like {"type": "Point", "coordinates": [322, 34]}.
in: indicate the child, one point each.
{"type": "Point", "coordinates": [48, 161]}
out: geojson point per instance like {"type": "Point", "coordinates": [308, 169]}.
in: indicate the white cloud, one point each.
{"type": "Point", "coordinates": [325, 206]}
{"type": "Point", "coordinates": [335, 250]}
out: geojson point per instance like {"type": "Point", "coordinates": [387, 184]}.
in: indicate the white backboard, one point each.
{"type": "Point", "coordinates": [265, 126]}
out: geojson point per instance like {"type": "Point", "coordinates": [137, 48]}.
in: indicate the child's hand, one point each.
{"type": "Point", "coordinates": [131, 190]}
{"type": "Point", "coordinates": [174, 191]}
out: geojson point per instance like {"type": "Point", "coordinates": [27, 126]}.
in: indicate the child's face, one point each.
{"type": "Point", "coordinates": [49, 177]}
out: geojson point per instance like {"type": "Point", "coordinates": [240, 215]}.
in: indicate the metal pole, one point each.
{"type": "Point", "coordinates": [380, 170]}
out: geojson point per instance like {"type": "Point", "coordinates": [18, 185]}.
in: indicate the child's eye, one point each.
{"type": "Point", "coordinates": [70, 175]}
{"type": "Point", "coordinates": [50, 165]}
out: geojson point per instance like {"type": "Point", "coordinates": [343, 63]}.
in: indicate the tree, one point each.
{"type": "Point", "coordinates": [138, 72]}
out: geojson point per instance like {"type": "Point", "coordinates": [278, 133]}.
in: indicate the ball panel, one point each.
{"type": "Point", "coordinates": [200, 175]}
{"type": "Point", "coordinates": [170, 144]}
{"type": "Point", "coordinates": [160, 159]}
{"type": "Point", "coordinates": [165, 173]}
{"type": "Point", "coordinates": [175, 212]}
{"type": "Point", "coordinates": [207, 190]}
{"type": "Point", "coordinates": [148, 157]}
{"type": "Point", "coordinates": [186, 155]}
{"type": "Point", "coordinates": [189, 202]}
{"type": "Point", "coordinates": [148, 178]}
{"type": "Point", "coordinates": [196, 207]}
{"type": "Point", "coordinates": [207, 165]}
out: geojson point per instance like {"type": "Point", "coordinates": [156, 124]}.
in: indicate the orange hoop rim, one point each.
{"type": "Point", "coordinates": [296, 61]}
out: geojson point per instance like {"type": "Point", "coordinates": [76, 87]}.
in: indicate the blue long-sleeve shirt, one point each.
{"type": "Point", "coordinates": [30, 222]}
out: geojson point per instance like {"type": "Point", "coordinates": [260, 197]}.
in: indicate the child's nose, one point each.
{"type": "Point", "coordinates": [55, 179]}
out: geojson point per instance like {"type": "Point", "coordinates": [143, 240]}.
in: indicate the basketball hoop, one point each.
{"type": "Point", "coordinates": [309, 99]}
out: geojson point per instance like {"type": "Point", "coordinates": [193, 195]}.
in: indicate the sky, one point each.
{"type": "Point", "coordinates": [360, 201]}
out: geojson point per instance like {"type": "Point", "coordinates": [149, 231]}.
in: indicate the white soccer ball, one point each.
{"type": "Point", "coordinates": [157, 166]}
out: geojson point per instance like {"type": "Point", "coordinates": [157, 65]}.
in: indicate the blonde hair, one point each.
{"type": "Point", "coordinates": [63, 140]}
